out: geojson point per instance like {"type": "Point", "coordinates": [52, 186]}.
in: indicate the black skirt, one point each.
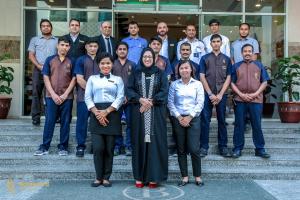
{"type": "Point", "coordinates": [114, 126]}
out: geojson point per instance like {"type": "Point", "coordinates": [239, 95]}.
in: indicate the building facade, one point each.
{"type": "Point", "coordinates": [274, 23]}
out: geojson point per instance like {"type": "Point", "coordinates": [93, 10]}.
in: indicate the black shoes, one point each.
{"type": "Point", "coordinates": [106, 184]}
{"type": "Point", "coordinates": [203, 152]}
{"type": "Point", "coordinates": [236, 153]}
{"type": "Point", "coordinates": [199, 183]}
{"type": "Point", "coordinates": [182, 183]}
{"type": "Point", "coordinates": [96, 184]}
{"type": "Point", "coordinates": [36, 122]}
{"type": "Point", "coordinates": [80, 152]}
{"type": "Point", "coordinates": [262, 154]}
{"type": "Point", "coordinates": [224, 152]}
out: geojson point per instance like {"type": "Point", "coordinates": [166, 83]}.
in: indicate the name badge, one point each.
{"type": "Point", "coordinates": [81, 41]}
{"type": "Point", "coordinates": [111, 81]}
{"type": "Point", "coordinates": [172, 45]}
{"type": "Point", "coordinates": [196, 55]}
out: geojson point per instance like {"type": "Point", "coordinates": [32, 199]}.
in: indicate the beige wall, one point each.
{"type": "Point", "coordinates": [293, 27]}
{"type": "Point", "coordinates": [10, 36]}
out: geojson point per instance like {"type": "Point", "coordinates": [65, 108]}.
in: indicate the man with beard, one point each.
{"type": "Point", "coordinates": [249, 80]}
{"type": "Point", "coordinates": [106, 42]}
{"type": "Point", "coordinates": [197, 46]}
{"type": "Point", "coordinates": [135, 43]}
{"type": "Point", "coordinates": [77, 39]}
{"type": "Point", "coordinates": [168, 49]}
{"type": "Point", "coordinates": [214, 26]}
{"type": "Point", "coordinates": [161, 62]}
{"type": "Point", "coordinates": [59, 81]}
{"type": "Point", "coordinates": [39, 49]}
{"type": "Point", "coordinates": [185, 52]}
{"type": "Point", "coordinates": [236, 46]}
{"type": "Point", "coordinates": [85, 67]}
{"type": "Point", "coordinates": [123, 67]}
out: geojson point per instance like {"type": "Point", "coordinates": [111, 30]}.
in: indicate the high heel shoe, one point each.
{"type": "Point", "coordinates": [152, 185]}
{"type": "Point", "coordinates": [199, 183]}
{"type": "Point", "coordinates": [182, 183]}
{"type": "Point", "coordinates": [139, 185]}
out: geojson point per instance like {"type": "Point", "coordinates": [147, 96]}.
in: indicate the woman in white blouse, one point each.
{"type": "Point", "coordinates": [104, 94]}
{"type": "Point", "coordinates": [185, 102]}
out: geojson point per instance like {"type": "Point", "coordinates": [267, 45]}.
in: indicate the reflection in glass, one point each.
{"type": "Point", "coordinates": [187, 5]}
{"type": "Point", "coordinates": [104, 4]}
{"type": "Point", "coordinates": [46, 3]}
{"type": "Point", "coordinates": [135, 4]}
{"type": "Point", "coordinates": [269, 32]}
{"type": "Point", "coordinates": [225, 6]}
{"type": "Point", "coordinates": [266, 6]}
{"type": "Point", "coordinates": [228, 25]}
{"type": "Point", "coordinates": [90, 21]}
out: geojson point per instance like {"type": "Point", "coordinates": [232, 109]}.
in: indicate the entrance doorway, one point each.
{"type": "Point", "coordinates": [148, 22]}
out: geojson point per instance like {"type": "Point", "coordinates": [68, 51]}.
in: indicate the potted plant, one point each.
{"type": "Point", "coordinates": [289, 73]}
{"type": "Point", "coordinates": [268, 106]}
{"type": "Point", "coordinates": [6, 77]}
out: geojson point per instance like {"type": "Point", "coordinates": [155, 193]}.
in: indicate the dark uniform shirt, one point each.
{"type": "Point", "coordinates": [164, 64]}
{"type": "Point", "coordinates": [78, 46]}
{"type": "Point", "coordinates": [123, 70]}
{"type": "Point", "coordinates": [175, 74]}
{"type": "Point", "coordinates": [85, 66]}
{"type": "Point", "coordinates": [216, 70]}
{"type": "Point", "coordinates": [60, 74]}
{"type": "Point", "coordinates": [248, 78]}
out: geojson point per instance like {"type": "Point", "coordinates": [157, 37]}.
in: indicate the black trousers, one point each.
{"type": "Point", "coordinates": [37, 92]}
{"type": "Point", "coordinates": [103, 150]}
{"type": "Point", "coordinates": [187, 139]}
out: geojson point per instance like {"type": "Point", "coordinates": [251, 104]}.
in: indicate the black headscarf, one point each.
{"type": "Point", "coordinates": [148, 70]}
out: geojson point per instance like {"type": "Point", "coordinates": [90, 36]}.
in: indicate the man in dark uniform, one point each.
{"type": "Point", "coordinates": [59, 81]}
{"type": "Point", "coordinates": [185, 52]}
{"type": "Point", "coordinates": [215, 70]}
{"type": "Point", "coordinates": [123, 67]}
{"type": "Point", "coordinates": [249, 80]}
{"type": "Point", "coordinates": [86, 66]}
{"type": "Point", "coordinates": [76, 38]}
{"type": "Point", "coordinates": [107, 43]}
{"type": "Point", "coordinates": [161, 62]}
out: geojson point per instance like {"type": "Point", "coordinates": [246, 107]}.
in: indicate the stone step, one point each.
{"type": "Point", "coordinates": [125, 173]}
{"type": "Point", "coordinates": [26, 159]}
{"type": "Point", "coordinates": [9, 136]}
{"type": "Point", "coordinates": [249, 148]}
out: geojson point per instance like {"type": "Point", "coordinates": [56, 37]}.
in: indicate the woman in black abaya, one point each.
{"type": "Point", "coordinates": [147, 92]}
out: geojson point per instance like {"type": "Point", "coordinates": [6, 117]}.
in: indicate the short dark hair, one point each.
{"type": "Point", "coordinates": [104, 55]}
{"type": "Point", "coordinates": [190, 25]}
{"type": "Point", "coordinates": [155, 38]}
{"type": "Point", "coordinates": [214, 21]}
{"type": "Point", "coordinates": [133, 23]}
{"type": "Point", "coordinates": [215, 36]}
{"type": "Point", "coordinates": [247, 24]}
{"type": "Point", "coordinates": [63, 39]}
{"type": "Point", "coordinates": [186, 44]}
{"type": "Point", "coordinates": [74, 19]}
{"type": "Point", "coordinates": [247, 45]}
{"type": "Point", "coordinates": [45, 20]}
{"type": "Point", "coordinates": [92, 40]}
{"type": "Point", "coordinates": [122, 43]}
{"type": "Point", "coordinates": [181, 62]}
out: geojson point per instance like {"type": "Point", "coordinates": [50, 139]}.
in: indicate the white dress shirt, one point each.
{"type": "Point", "coordinates": [186, 99]}
{"type": "Point", "coordinates": [103, 90]}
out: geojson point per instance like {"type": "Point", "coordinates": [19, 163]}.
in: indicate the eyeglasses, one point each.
{"type": "Point", "coordinates": [145, 57]}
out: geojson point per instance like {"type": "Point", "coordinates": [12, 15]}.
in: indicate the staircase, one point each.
{"type": "Point", "coordinates": [19, 139]}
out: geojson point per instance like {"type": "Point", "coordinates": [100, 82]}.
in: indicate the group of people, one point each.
{"type": "Point", "coordinates": [145, 83]}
